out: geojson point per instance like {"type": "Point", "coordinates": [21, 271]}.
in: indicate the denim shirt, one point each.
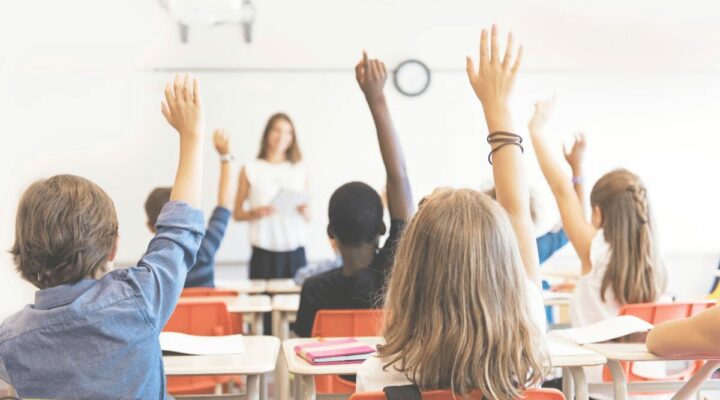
{"type": "Point", "coordinates": [98, 338]}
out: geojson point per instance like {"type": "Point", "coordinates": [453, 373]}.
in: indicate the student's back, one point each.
{"type": "Point", "coordinates": [356, 220]}
{"type": "Point", "coordinates": [93, 331]}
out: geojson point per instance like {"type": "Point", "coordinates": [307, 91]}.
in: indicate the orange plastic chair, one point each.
{"type": "Point", "coordinates": [204, 319]}
{"type": "Point", "coordinates": [235, 318]}
{"type": "Point", "coordinates": [530, 394]}
{"type": "Point", "coordinates": [343, 323]}
{"type": "Point", "coordinates": [656, 313]}
{"type": "Point", "coordinates": [208, 292]}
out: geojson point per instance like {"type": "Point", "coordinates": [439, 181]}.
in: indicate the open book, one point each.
{"type": "Point", "coordinates": [201, 345]}
{"type": "Point", "coordinates": [603, 331]}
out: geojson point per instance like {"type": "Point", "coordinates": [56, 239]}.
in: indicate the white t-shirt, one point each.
{"type": "Point", "coordinates": [277, 232]}
{"type": "Point", "coordinates": [372, 378]}
{"type": "Point", "coordinates": [586, 306]}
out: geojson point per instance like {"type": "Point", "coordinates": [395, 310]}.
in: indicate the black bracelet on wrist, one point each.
{"type": "Point", "coordinates": [503, 136]}
{"type": "Point", "coordinates": [522, 150]}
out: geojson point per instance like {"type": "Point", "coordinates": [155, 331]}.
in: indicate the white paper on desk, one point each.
{"type": "Point", "coordinates": [201, 345]}
{"type": "Point", "coordinates": [558, 349]}
{"type": "Point", "coordinates": [603, 331]}
{"type": "Point", "coordinates": [287, 201]}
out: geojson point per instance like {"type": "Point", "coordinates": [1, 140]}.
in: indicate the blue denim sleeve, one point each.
{"type": "Point", "coordinates": [160, 274]}
{"type": "Point", "coordinates": [203, 273]}
{"type": "Point", "coordinates": [549, 243]}
{"type": "Point", "coordinates": [3, 373]}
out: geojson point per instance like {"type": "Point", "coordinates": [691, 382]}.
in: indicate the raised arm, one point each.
{"type": "Point", "coordinates": [579, 231]}
{"type": "Point", "coordinates": [371, 76]}
{"type": "Point", "coordinates": [574, 158]}
{"type": "Point", "coordinates": [222, 145]}
{"type": "Point", "coordinates": [695, 336]}
{"type": "Point", "coordinates": [183, 109]}
{"type": "Point", "coordinates": [493, 83]}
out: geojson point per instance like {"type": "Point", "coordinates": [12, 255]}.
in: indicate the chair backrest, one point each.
{"type": "Point", "coordinates": [208, 292]}
{"type": "Point", "coordinates": [338, 323]}
{"type": "Point", "coordinates": [205, 319]}
{"type": "Point", "coordinates": [656, 313]}
{"type": "Point", "coordinates": [530, 394]}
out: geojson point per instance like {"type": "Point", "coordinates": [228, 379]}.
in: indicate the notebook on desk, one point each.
{"type": "Point", "coordinates": [176, 343]}
{"type": "Point", "coordinates": [609, 329]}
{"type": "Point", "coordinates": [337, 351]}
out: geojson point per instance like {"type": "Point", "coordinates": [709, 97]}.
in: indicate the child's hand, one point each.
{"type": "Point", "coordinates": [183, 107]}
{"type": "Point", "coordinates": [543, 111]}
{"type": "Point", "coordinates": [371, 76]}
{"type": "Point", "coordinates": [575, 155]}
{"type": "Point", "coordinates": [494, 78]}
{"type": "Point", "coordinates": [222, 141]}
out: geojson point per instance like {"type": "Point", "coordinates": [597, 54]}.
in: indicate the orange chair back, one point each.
{"type": "Point", "coordinates": [343, 323]}
{"type": "Point", "coordinates": [204, 319]}
{"type": "Point", "coordinates": [208, 292]}
{"type": "Point", "coordinates": [657, 313]}
{"type": "Point", "coordinates": [530, 394]}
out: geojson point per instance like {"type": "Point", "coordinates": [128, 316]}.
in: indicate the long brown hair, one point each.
{"type": "Point", "coordinates": [634, 271]}
{"type": "Point", "coordinates": [456, 314]}
{"type": "Point", "coordinates": [293, 153]}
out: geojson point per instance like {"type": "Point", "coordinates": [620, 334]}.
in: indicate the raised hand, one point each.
{"type": "Point", "coordinates": [183, 107]}
{"type": "Point", "coordinates": [543, 111]}
{"type": "Point", "coordinates": [222, 141]}
{"type": "Point", "coordinates": [371, 76]}
{"type": "Point", "coordinates": [575, 155]}
{"type": "Point", "coordinates": [494, 77]}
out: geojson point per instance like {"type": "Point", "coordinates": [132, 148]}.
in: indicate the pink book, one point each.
{"type": "Point", "coordinates": [336, 351]}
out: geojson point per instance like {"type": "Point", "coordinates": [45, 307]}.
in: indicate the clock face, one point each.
{"type": "Point", "coordinates": [412, 78]}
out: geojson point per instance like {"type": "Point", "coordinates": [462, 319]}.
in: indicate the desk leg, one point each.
{"type": "Point", "coordinates": [253, 387]}
{"type": "Point", "coordinates": [263, 387]}
{"type": "Point", "coordinates": [282, 378]}
{"type": "Point", "coordinates": [581, 385]}
{"type": "Point", "coordinates": [297, 386]}
{"type": "Point", "coordinates": [567, 383]}
{"type": "Point", "coordinates": [308, 387]}
{"type": "Point", "coordinates": [258, 323]}
{"type": "Point", "coordinates": [619, 380]}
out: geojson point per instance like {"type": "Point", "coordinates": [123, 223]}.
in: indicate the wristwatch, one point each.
{"type": "Point", "coordinates": [227, 157]}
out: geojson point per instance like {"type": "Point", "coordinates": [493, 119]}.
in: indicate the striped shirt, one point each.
{"type": "Point", "coordinates": [202, 273]}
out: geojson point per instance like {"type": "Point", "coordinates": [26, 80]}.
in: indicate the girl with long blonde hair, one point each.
{"type": "Point", "coordinates": [617, 248]}
{"type": "Point", "coordinates": [463, 310]}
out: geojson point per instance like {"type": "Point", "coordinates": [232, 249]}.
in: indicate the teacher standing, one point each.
{"type": "Point", "coordinates": [277, 238]}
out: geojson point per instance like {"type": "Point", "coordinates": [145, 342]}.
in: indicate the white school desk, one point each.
{"type": "Point", "coordinates": [247, 286]}
{"type": "Point", "coordinates": [260, 357]}
{"type": "Point", "coordinates": [568, 357]}
{"type": "Point", "coordinates": [617, 352]}
{"type": "Point", "coordinates": [284, 311]}
{"type": "Point", "coordinates": [252, 307]}
{"type": "Point", "coordinates": [279, 286]}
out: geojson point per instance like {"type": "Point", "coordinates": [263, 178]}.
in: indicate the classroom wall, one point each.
{"type": "Point", "coordinates": [83, 80]}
